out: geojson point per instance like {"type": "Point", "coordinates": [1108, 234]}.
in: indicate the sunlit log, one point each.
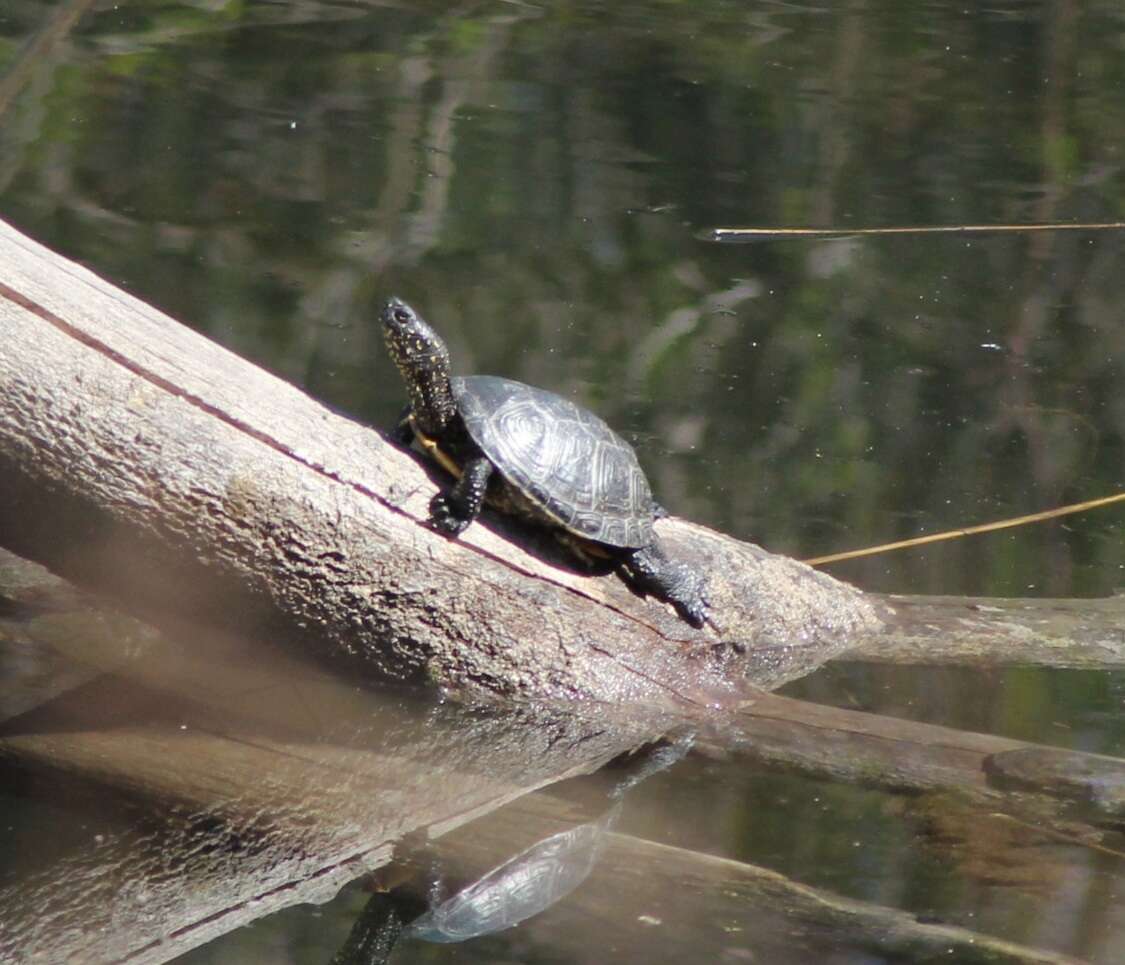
{"type": "Point", "coordinates": [143, 460]}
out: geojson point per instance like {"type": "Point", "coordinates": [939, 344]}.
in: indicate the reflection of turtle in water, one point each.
{"type": "Point", "coordinates": [517, 889]}
{"type": "Point", "coordinates": [542, 874]}
{"type": "Point", "coordinates": [537, 455]}
{"type": "Point", "coordinates": [522, 886]}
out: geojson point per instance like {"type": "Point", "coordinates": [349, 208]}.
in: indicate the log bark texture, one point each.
{"type": "Point", "coordinates": [1078, 634]}
{"type": "Point", "coordinates": [140, 459]}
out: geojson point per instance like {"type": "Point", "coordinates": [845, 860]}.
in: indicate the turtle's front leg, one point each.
{"type": "Point", "coordinates": [452, 511]}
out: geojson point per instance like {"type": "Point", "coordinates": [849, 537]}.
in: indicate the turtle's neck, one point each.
{"type": "Point", "coordinates": [431, 395]}
{"type": "Point", "coordinates": [423, 361]}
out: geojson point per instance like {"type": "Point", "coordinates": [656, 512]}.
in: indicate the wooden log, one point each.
{"type": "Point", "coordinates": [148, 463]}
{"type": "Point", "coordinates": [989, 632]}
{"type": "Point", "coordinates": [143, 460]}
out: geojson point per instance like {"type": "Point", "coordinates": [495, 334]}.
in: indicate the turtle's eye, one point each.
{"type": "Point", "coordinates": [402, 315]}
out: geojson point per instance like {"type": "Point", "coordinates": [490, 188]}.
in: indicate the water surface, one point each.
{"type": "Point", "coordinates": [537, 178]}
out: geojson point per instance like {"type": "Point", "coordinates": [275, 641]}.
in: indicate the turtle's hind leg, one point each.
{"type": "Point", "coordinates": [651, 571]}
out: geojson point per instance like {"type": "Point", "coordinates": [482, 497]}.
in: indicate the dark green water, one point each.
{"type": "Point", "coordinates": [537, 178]}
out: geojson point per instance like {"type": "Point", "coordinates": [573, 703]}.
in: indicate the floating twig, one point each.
{"type": "Point", "coordinates": [740, 236]}
{"type": "Point", "coordinates": [969, 530]}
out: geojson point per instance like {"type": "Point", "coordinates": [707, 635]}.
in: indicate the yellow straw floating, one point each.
{"type": "Point", "coordinates": [969, 531]}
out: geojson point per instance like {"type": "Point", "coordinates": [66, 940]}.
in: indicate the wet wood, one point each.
{"type": "Point", "coordinates": [987, 632]}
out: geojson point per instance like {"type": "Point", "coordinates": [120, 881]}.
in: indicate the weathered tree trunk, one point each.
{"type": "Point", "coordinates": [982, 632]}
{"type": "Point", "coordinates": [143, 460]}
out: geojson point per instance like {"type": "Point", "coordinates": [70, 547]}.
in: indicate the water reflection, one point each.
{"type": "Point", "coordinates": [206, 781]}
{"type": "Point", "coordinates": [534, 175]}
{"type": "Point", "coordinates": [524, 885]}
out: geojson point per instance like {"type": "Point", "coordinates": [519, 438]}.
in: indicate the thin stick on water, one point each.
{"type": "Point", "coordinates": [969, 530]}
{"type": "Point", "coordinates": [747, 235]}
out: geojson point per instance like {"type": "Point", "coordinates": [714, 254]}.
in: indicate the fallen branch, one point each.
{"type": "Point", "coordinates": [147, 462]}
{"type": "Point", "coordinates": [982, 632]}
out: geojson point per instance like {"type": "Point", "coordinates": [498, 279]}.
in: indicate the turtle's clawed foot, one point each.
{"type": "Point", "coordinates": [651, 571]}
{"type": "Point", "coordinates": [444, 517]}
{"type": "Point", "coordinates": [690, 599]}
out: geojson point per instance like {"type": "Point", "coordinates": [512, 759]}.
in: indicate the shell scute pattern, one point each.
{"type": "Point", "coordinates": [563, 458]}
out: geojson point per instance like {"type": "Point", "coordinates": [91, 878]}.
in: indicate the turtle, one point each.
{"type": "Point", "coordinates": [533, 454]}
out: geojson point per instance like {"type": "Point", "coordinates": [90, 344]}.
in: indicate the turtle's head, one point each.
{"type": "Point", "coordinates": [414, 346]}
{"type": "Point", "coordinates": [423, 361]}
